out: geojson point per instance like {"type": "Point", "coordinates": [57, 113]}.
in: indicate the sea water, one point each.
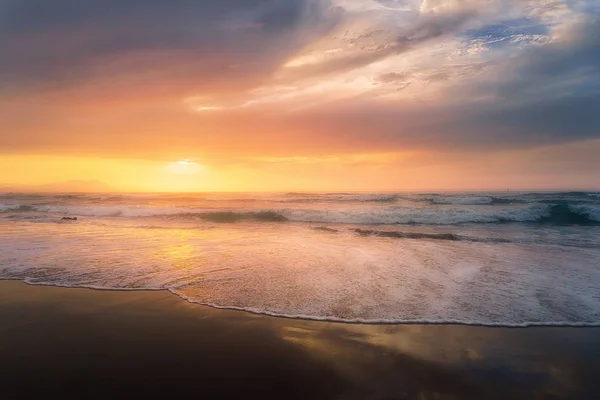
{"type": "Point", "coordinates": [511, 259]}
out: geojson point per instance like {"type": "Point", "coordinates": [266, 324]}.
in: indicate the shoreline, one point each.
{"type": "Point", "coordinates": [78, 342]}
{"type": "Point", "coordinates": [317, 319]}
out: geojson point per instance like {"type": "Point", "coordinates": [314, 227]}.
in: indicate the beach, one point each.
{"type": "Point", "coordinates": [82, 343]}
{"type": "Point", "coordinates": [300, 199]}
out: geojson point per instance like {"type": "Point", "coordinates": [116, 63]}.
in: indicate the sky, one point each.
{"type": "Point", "coordinates": [253, 95]}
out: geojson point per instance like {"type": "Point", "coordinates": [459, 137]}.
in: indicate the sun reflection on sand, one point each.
{"type": "Point", "coordinates": [464, 349]}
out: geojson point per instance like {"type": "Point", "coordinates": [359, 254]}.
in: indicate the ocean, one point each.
{"type": "Point", "coordinates": [499, 259]}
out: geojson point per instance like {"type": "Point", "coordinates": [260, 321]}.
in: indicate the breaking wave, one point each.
{"type": "Point", "coordinates": [229, 216]}
{"type": "Point", "coordinates": [16, 208]}
{"type": "Point", "coordinates": [474, 200]}
{"type": "Point", "coordinates": [549, 214]}
{"type": "Point", "coordinates": [342, 198]}
{"type": "Point", "coordinates": [542, 214]}
{"type": "Point", "coordinates": [468, 201]}
{"type": "Point", "coordinates": [562, 214]}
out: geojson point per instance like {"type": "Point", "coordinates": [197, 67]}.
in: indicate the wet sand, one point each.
{"type": "Point", "coordinates": [80, 343]}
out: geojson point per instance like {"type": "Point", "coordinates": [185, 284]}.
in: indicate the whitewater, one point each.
{"type": "Point", "coordinates": [505, 259]}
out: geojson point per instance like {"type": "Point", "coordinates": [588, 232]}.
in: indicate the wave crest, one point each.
{"type": "Point", "coordinates": [558, 213]}
{"type": "Point", "coordinates": [230, 216]}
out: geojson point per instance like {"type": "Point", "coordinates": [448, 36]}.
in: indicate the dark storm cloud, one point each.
{"type": "Point", "coordinates": [60, 41]}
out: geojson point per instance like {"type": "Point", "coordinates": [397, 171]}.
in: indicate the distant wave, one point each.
{"type": "Point", "coordinates": [565, 194]}
{"type": "Point", "coordinates": [342, 198]}
{"type": "Point", "coordinates": [298, 194]}
{"type": "Point", "coordinates": [468, 200]}
{"type": "Point", "coordinates": [16, 208]}
{"type": "Point", "coordinates": [382, 199]}
{"type": "Point", "coordinates": [550, 214]}
{"type": "Point", "coordinates": [505, 199]}
{"type": "Point", "coordinates": [209, 200]}
{"type": "Point", "coordinates": [536, 213]}
{"type": "Point", "coordinates": [474, 200]}
{"type": "Point", "coordinates": [502, 200]}
{"type": "Point", "coordinates": [572, 208]}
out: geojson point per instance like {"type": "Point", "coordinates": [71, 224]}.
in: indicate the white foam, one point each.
{"type": "Point", "coordinates": [375, 197]}
{"type": "Point", "coordinates": [13, 207]}
{"type": "Point", "coordinates": [592, 211]}
{"type": "Point", "coordinates": [290, 270]}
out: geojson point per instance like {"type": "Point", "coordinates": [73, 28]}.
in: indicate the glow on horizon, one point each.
{"type": "Point", "coordinates": [366, 172]}
{"type": "Point", "coordinates": [185, 167]}
{"type": "Point", "coordinates": [351, 95]}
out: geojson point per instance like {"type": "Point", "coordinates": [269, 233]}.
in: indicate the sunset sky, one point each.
{"type": "Point", "coordinates": [219, 95]}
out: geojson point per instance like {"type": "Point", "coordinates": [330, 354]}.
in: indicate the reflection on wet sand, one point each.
{"type": "Point", "coordinates": [455, 360]}
{"type": "Point", "coordinates": [152, 342]}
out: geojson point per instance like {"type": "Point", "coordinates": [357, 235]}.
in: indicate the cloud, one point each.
{"type": "Point", "coordinates": [545, 93]}
{"type": "Point", "coordinates": [179, 43]}
{"type": "Point", "coordinates": [569, 63]}
{"type": "Point", "coordinates": [374, 45]}
{"type": "Point", "coordinates": [393, 77]}
{"type": "Point", "coordinates": [298, 78]}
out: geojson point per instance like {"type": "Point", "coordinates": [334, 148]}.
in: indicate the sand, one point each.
{"type": "Point", "coordinates": [80, 343]}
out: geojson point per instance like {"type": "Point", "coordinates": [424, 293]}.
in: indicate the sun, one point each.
{"type": "Point", "coordinates": [184, 167]}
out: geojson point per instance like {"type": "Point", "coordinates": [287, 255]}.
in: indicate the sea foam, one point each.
{"type": "Point", "coordinates": [294, 271]}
